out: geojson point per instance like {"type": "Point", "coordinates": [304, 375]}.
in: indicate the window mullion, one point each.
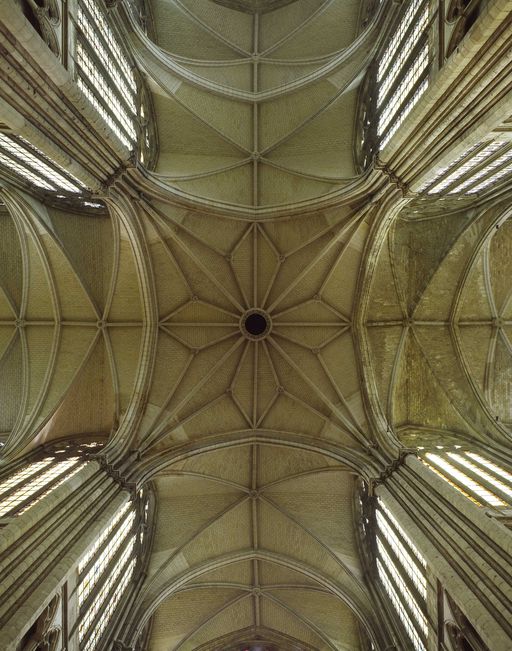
{"type": "Point", "coordinates": [104, 72]}
{"type": "Point", "coordinates": [30, 165]}
{"type": "Point", "coordinates": [403, 602]}
{"type": "Point", "coordinates": [473, 151]}
{"type": "Point", "coordinates": [453, 187]}
{"type": "Point", "coordinates": [420, 568]}
{"type": "Point", "coordinates": [458, 485]}
{"type": "Point", "coordinates": [25, 480]}
{"type": "Point", "coordinates": [98, 618]}
{"type": "Point", "coordinates": [100, 34]}
{"type": "Point", "coordinates": [486, 468]}
{"type": "Point", "coordinates": [479, 176]}
{"type": "Point", "coordinates": [411, 586]}
{"type": "Point", "coordinates": [410, 95]}
{"type": "Point", "coordinates": [45, 488]}
{"type": "Point", "coordinates": [412, 25]}
{"type": "Point", "coordinates": [100, 98]}
{"type": "Point", "coordinates": [56, 169]}
{"type": "Point", "coordinates": [495, 490]}
{"type": "Point", "coordinates": [405, 65]}
{"type": "Point", "coordinates": [112, 87]}
{"type": "Point", "coordinates": [105, 573]}
{"type": "Point", "coordinates": [105, 544]}
{"type": "Point", "coordinates": [105, 580]}
{"type": "Point", "coordinates": [392, 524]}
{"type": "Point", "coordinates": [103, 67]}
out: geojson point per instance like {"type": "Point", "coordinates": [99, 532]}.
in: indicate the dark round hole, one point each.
{"type": "Point", "coordinates": [255, 324]}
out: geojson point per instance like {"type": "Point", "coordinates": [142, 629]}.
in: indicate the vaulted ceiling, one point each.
{"type": "Point", "coordinates": [256, 109]}
{"type": "Point", "coordinates": [248, 544]}
{"type": "Point", "coordinates": [253, 442]}
{"type": "Point", "coordinates": [380, 319]}
{"type": "Point", "coordinates": [439, 323]}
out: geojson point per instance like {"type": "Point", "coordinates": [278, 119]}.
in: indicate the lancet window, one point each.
{"type": "Point", "coordinates": [22, 159]}
{"type": "Point", "coordinates": [33, 481]}
{"type": "Point", "coordinates": [402, 571]}
{"type": "Point", "coordinates": [482, 481]}
{"type": "Point", "coordinates": [476, 169]}
{"type": "Point", "coordinates": [403, 68]}
{"type": "Point", "coordinates": [104, 72]}
{"type": "Point", "coordinates": [109, 80]}
{"type": "Point", "coordinates": [107, 569]}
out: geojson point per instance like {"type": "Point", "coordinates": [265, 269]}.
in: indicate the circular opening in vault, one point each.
{"type": "Point", "coordinates": [256, 324]}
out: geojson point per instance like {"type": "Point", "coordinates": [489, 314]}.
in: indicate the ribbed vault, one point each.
{"type": "Point", "coordinates": [439, 323]}
{"type": "Point", "coordinates": [69, 310]}
{"type": "Point", "coordinates": [256, 109]}
{"type": "Point", "coordinates": [209, 378]}
{"type": "Point", "coordinates": [127, 322]}
{"type": "Point", "coordinates": [249, 544]}
{"type": "Point", "coordinates": [255, 530]}
{"type": "Point", "coordinates": [253, 6]}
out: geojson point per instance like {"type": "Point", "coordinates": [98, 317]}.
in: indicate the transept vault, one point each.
{"type": "Point", "coordinates": [261, 319]}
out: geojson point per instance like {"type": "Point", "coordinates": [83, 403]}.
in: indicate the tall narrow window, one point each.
{"type": "Point", "coordinates": [482, 481]}
{"type": "Point", "coordinates": [21, 159]}
{"type": "Point", "coordinates": [34, 481]}
{"type": "Point", "coordinates": [479, 167]}
{"type": "Point", "coordinates": [104, 72]}
{"type": "Point", "coordinates": [403, 67]}
{"type": "Point", "coordinates": [402, 571]}
{"type": "Point", "coordinates": [106, 570]}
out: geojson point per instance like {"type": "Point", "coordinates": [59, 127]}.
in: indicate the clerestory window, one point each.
{"type": "Point", "coordinates": [109, 80]}
{"type": "Point", "coordinates": [107, 569]}
{"type": "Point", "coordinates": [104, 72]}
{"type": "Point", "coordinates": [21, 159]}
{"type": "Point", "coordinates": [476, 169]}
{"type": "Point", "coordinates": [403, 69]}
{"type": "Point", "coordinates": [482, 481]}
{"type": "Point", "coordinates": [35, 480]}
{"type": "Point", "coordinates": [402, 572]}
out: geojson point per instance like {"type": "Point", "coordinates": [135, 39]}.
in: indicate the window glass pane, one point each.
{"type": "Point", "coordinates": [406, 59]}
{"type": "Point", "coordinates": [492, 466]}
{"type": "Point", "coordinates": [32, 479]}
{"type": "Point", "coordinates": [402, 533]}
{"type": "Point", "coordinates": [399, 607]}
{"type": "Point", "coordinates": [489, 156]}
{"type": "Point", "coordinates": [104, 72]}
{"type": "Point", "coordinates": [479, 471]}
{"type": "Point", "coordinates": [448, 470]}
{"type": "Point", "coordinates": [402, 571]}
{"type": "Point", "coordinates": [24, 159]}
{"type": "Point", "coordinates": [89, 580]}
{"type": "Point", "coordinates": [102, 537]}
{"type": "Point", "coordinates": [105, 572]}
